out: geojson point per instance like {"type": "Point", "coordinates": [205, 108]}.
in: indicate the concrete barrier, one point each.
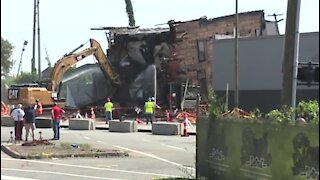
{"type": "Point", "coordinates": [82, 124]}
{"type": "Point", "coordinates": [7, 121]}
{"type": "Point", "coordinates": [166, 128]}
{"type": "Point", "coordinates": [123, 126]}
{"type": "Point", "coordinates": [43, 122]}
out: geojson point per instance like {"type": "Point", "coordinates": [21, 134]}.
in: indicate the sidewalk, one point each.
{"type": "Point", "coordinates": [101, 125]}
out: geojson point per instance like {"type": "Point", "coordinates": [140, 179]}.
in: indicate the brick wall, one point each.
{"type": "Point", "coordinates": [186, 48]}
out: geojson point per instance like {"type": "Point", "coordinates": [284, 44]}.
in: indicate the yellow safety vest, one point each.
{"type": "Point", "coordinates": [148, 107]}
{"type": "Point", "coordinates": [108, 106]}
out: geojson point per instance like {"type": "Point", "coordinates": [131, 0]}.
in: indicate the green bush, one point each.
{"type": "Point", "coordinates": [255, 114]}
{"type": "Point", "coordinates": [309, 110]}
{"type": "Point", "coordinates": [216, 105]}
{"type": "Point", "coordinates": [281, 116]}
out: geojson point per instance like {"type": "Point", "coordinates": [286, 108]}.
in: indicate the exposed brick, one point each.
{"type": "Point", "coordinates": [206, 29]}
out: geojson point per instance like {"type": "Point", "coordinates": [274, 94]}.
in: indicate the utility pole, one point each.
{"type": "Point", "coordinates": [236, 60]}
{"type": "Point", "coordinates": [33, 65]}
{"type": "Point", "coordinates": [276, 20]}
{"type": "Point", "coordinates": [291, 51]}
{"type": "Point", "coordinates": [275, 17]}
{"type": "Point", "coordinates": [39, 45]}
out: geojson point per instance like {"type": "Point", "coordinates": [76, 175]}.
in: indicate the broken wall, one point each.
{"type": "Point", "coordinates": [134, 54]}
{"type": "Point", "coordinates": [190, 35]}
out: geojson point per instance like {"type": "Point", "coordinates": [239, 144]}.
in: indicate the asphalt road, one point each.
{"type": "Point", "coordinates": [150, 156]}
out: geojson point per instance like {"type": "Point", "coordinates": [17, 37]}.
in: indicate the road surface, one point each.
{"type": "Point", "coordinates": [150, 156]}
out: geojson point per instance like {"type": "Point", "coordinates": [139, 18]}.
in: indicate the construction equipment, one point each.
{"type": "Point", "coordinates": [47, 58]}
{"type": "Point", "coordinates": [28, 93]}
{"type": "Point", "coordinates": [4, 109]}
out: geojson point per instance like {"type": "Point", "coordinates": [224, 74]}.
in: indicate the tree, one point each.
{"type": "Point", "coordinates": [6, 61]}
{"type": "Point", "coordinates": [25, 77]}
{"type": "Point", "coordinates": [130, 14]}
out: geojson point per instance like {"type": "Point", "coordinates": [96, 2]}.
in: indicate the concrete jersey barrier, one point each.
{"type": "Point", "coordinates": [122, 126]}
{"type": "Point", "coordinates": [166, 128]}
{"type": "Point", "coordinates": [82, 124]}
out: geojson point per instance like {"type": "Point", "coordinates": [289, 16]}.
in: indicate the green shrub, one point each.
{"type": "Point", "coordinates": [255, 114]}
{"type": "Point", "coordinates": [309, 110]}
{"type": "Point", "coordinates": [281, 116]}
{"type": "Point", "coordinates": [216, 105]}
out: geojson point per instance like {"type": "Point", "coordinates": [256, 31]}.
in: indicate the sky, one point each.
{"type": "Point", "coordinates": [65, 24]}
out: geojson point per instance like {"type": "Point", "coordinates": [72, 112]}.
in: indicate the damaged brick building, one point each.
{"type": "Point", "coordinates": [181, 52]}
{"type": "Point", "coordinates": [193, 43]}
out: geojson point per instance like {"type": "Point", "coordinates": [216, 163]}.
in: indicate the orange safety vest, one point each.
{"type": "Point", "coordinates": [39, 109]}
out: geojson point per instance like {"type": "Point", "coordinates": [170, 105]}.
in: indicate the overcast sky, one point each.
{"type": "Point", "coordinates": [65, 24]}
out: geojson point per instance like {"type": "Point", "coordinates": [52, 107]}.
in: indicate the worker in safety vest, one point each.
{"type": "Point", "coordinates": [38, 108]}
{"type": "Point", "coordinates": [108, 106]}
{"type": "Point", "coordinates": [149, 109]}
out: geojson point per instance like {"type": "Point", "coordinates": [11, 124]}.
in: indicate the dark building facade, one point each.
{"type": "Point", "coordinates": [260, 69]}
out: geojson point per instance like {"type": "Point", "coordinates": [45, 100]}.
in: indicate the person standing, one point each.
{"type": "Point", "coordinates": [17, 115]}
{"type": "Point", "coordinates": [148, 109]}
{"type": "Point", "coordinates": [156, 106]}
{"type": "Point", "coordinates": [38, 108]}
{"type": "Point", "coordinates": [56, 113]}
{"type": "Point", "coordinates": [29, 118]}
{"type": "Point", "coordinates": [108, 106]}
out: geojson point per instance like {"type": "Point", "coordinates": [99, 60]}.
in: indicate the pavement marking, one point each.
{"type": "Point", "coordinates": [86, 137]}
{"type": "Point", "coordinates": [58, 173]}
{"type": "Point", "coordinates": [175, 147]}
{"type": "Point", "coordinates": [3, 177]}
{"type": "Point", "coordinates": [146, 140]}
{"type": "Point", "coordinates": [106, 166]}
{"type": "Point", "coordinates": [155, 157]}
{"type": "Point", "coordinates": [88, 167]}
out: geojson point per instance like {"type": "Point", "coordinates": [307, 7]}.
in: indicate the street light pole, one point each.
{"type": "Point", "coordinates": [20, 63]}
{"type": "Point", "coordinates": [236, 91]}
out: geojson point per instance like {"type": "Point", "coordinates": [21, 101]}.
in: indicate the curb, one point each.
{"type": "Point", "coordinates": [16, 155]}
{"type": "Point", "coordinates": [11, 152]}
{"type": "Point", "coordinates": [139, 130]}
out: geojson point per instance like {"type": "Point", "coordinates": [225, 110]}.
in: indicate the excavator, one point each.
{"type": "Point", "coordinates": [28, 93]}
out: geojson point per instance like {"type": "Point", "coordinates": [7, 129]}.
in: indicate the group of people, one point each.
{"type": "Point", "coordinates": [149, 109]}
{"type": "Point", "coordinates": [24, 116]}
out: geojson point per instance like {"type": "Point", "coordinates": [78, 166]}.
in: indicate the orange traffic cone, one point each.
{"type": "Point", "coordinates": [168, 116]}
{"type": "Point", "coordinates": [139, 121]}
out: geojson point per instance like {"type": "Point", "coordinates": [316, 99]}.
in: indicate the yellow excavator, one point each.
{"type": "Point", "coordinates": [28, 93]}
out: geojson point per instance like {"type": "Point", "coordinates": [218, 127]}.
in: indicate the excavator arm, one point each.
{"type": "Point", "coordinates": [62, 65]}
{"type": "Point", "coordinates": [104, 63]}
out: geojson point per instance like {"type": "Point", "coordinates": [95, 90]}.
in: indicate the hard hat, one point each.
{"type": "Point", "coordinates": [37, 100]}
{"type": "Point", "coordinates": [149, 99]}
{"type": "Point", "coordinates": [152, 98]}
